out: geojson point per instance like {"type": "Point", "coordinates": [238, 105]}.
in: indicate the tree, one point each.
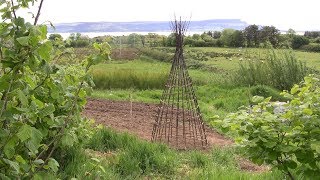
{"type": "Point", "coordinates": [133, 39]}
{"type": "Point", "coordinates": [251, 34]}
{"type": "Point", "coordinates": [291, 33]}
{"type": "Point", "coordinates": [171, 40]}
{"type": "Point", "coordinates": [78, 40]}
{"type": "Point", "coordinates": [237, 39]}
{"type": "Point", "coordinates": [54, 37]}
{"type": "Point", "coordinates": [312, 34]}
{"type": "Point", "coordinates": [143, 40]}
{"type": "Point", "coordinates": [269, 34]}
{"type": "Point", "coordinates": [226, 37]}
{"type": "Point", "coordinates": [216, 34]}
{"type": "Point", "coordinates": [206, 37]}
{"type": "Point", "coordinates": [298, 41]}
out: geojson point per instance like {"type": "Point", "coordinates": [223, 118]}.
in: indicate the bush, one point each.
{"type": "Point", "coordinates": [278, 70]}
{"type": "Point", "coordinates": [156, 54]}
{"type": "Point", "coordinates": [289, 139]}
{"type": "Point", "coordinates": [311, 47]}
{"type": "Point", "coordinates": [266, 91]}
{"type": "Point", "coordinates": [298, 41]}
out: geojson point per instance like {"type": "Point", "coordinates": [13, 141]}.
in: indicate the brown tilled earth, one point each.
{"type": "Point", "coordinates": [137, 118]}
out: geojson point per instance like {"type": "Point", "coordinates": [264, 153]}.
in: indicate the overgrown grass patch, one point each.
{"type": "Point", "coordinates": [138, 159]}
{"type": "Point", "coordinates": [142, 75]}
{"type": "Point", "coordinates": [279, 69]}
{"type": "Point", "coordinates": [135, 157]}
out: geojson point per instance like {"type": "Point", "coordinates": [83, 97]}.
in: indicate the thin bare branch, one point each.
{"type": "Point", "coordinates": [38, 13]}
{"type": "Point", "coordinates": [13, 11]}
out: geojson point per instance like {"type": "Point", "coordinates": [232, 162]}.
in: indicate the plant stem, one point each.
{"type": "Point", "coordinates": [38, 14]}
{"type": "Point", "coordinates": [13, 11]}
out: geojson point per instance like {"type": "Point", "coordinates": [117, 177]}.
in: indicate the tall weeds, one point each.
{"type": "Point", "coordinates": [129, 78]}
{"type": "Point", "coordinates": [279, 69]}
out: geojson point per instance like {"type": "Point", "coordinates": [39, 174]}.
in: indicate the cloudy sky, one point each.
{"type": "Point", "coordinates": [284, 14]}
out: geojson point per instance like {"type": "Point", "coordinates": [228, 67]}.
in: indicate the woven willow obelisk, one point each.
{"type": "Point", "coordinates": [179, 122]}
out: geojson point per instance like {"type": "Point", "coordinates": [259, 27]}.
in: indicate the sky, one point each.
{"type": "Point", "coordinates": [299, 15]}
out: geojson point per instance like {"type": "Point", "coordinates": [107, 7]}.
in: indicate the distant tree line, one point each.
{"type": "Point", "coordinates": [251, 36]}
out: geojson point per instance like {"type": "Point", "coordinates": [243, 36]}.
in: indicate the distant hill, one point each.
{"type": "Point", "coordinates": [147, 26]}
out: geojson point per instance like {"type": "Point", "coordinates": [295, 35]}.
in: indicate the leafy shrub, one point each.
{"type": "Point", "coordinates": [157, 54]}
{"type": "Point", "coordinates": [41, 103]}
{"type": "Point", "coordinates": [278, 70]}
{"type": "Point", "coordinates": [266, 91]}
{"type": "Point", "coordinates": [298, 41]}
{"type": "Point", "coordinates": [288, 140]}
{"type": "Point", "coordinates": [311, 47]}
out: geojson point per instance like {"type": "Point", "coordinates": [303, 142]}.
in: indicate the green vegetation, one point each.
{"type": "Point", "coordinates": [218, 94]}
{"type": "Point", "coordinates": [123, 156]}
{"type": "Point", "coordinates": [41, 103]}
{"type": "Point", "coordinates": [279, 70]}
{"type": "Point", "coordinates": [285, 136]}
{"type": "Point", "coordinates": [141, 75]}
{"type": "Point", "coordinates": [44, 85]}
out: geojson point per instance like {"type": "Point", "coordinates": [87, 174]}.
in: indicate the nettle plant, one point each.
{"type": "Point", "coordinates": [40, 102]}
{"type": "Point", "coordinates": [288, 139]}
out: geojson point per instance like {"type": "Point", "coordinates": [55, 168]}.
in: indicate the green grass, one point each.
{"type": "Point", "coordinates": [133, 158]}
{"type": "Point", "coordinates": [142, 81]}
{"type": "Point", "coordinates": [142, 75]}
{"type": "Point", "coordinates": [130, 74]}
{"type": "Point", "coordinates": [150, 96]}
{"type": "Point", "coordinates": [228, 63]}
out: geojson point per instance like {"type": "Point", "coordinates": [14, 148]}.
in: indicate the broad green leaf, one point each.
{"type": "Point", "coordinates": [4, 177]}
{"type": "Point", "coordinates": [3, 134]}
{"type": "Point", "coordinates": [291, 164]}
{"type": "Point", "coordinates": [44, 30]}
{"type": "Point", "coordinates": [13, 165]}
{"type": "Point", "coordinates": [9, 148]}
{"type": "Point", "coordinates": [270, 144]}
{"type": "Point", "coordinates": [53, 165]}
{"type": "Point", "coordinates": [19, 21]}
{"type": "Point", "coordinates": [24, 41]}
{"type": "Point", "coordinates": [307, 111]}
{"type": "Point", "coordinates": [44, 176]}
{"type": "Point", "coordinates": [44, 50]}
{"type": "Point", "coordinates": [33, 135]}
{"type": "Point", "coordinates": [294, 89]}
{"type": "Point", "coordinates": [20, 159]}
{"type": "Point", "coordinates": [68, 139]}
{"type": "Point", "coordinates": [23, 99]}
{"type": "Point", "coordinates": [38, 161]}
{"type": "Point", "coordinates": [24, 132]}
{"type": "Point", "coordinates": [316, 146]}
{"type": "Point", "coordinates": [257, 99]}
{"type": "Point", "coordinates": [49, 109]}
{"type": "Point", "coordinates": [4, 82]}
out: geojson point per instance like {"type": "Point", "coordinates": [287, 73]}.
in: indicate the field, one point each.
{"type": "Point", "coordinates": [125, 99]}
{"type": "Point", "coordinates": [154, 106]}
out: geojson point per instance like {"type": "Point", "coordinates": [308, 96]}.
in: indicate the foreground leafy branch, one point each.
{"type": "Point", "coordinates": [41, 102]}
{"type": "Point", "coordinates": [284, 135]}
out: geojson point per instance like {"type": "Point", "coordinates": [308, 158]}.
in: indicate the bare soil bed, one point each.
{"type": "Point", "coordinates": [138, 118]}
{"type": "Point", "coordinates": [135, 118]}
